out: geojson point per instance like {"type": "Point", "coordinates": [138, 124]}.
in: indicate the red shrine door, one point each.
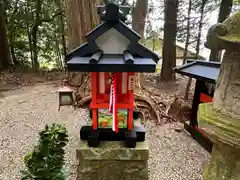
{"type": "Point", "coordinates": [122, 95]}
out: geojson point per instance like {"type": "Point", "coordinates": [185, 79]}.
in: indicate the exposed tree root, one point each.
{"type": "Point", "coordinates": [150, 103]}
{"type": "Point", "coordinates": [84, 102]}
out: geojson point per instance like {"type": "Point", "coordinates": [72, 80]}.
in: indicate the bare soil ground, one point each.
{"type": "Point", "coordinates": [32, 103]}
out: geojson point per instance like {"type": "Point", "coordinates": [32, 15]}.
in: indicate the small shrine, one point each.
{"type": "Point", "coordinates": [206, 75]}
{"type": "Point", "coordinates": [220, 119]}
{"type": "Point", "coordinates": [112, 55]}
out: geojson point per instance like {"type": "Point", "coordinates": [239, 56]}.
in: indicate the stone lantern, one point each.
{"type": "Point", "coordinates": [221, 119]}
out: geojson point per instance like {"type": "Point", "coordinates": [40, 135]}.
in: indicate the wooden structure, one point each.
{"type": "Point", "coordinates": [65, 97]}
{"type": "Point", "coordinates": [112, 55]}
{"type": "Point", "coordinates": [206, 74]}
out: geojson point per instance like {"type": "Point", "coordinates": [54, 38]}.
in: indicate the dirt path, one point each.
{"type": "Point", "coordinates": [23, 113]}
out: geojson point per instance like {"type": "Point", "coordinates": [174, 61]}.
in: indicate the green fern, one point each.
{"type": "Point", "coordinates": [46, 161]}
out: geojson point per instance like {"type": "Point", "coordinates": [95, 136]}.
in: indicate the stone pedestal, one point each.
{"type": "Point", "coordinates": [112, 161]}
{"type": "Point", "coordinates": [224, 163]}
{"type": "Point", "coordinates": [225, 134]}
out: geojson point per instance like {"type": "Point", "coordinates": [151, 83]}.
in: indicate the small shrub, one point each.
{"type": "Point", "coordinates": [46, 161]}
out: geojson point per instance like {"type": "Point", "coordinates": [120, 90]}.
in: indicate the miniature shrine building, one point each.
{"type": "Point", "coordinates": [112, 54]}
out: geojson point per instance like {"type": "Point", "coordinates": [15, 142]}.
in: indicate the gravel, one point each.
{"type": "Point", "coordinates": [24, 112]}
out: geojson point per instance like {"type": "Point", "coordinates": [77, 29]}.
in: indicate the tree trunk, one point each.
{"type": "Point", "coordinates": [138, 24]}
{"type": "Point", "coordinates": [35, 50]}
{"type": "Point", "coordinates": [200, 28]}
{"type": "Point", "coordinates": [224, 12]}
{"type": "Point", "coordinates": [153, 43]}
{"type": "Point", "coordinates": [64, 47]}
{"type": "Point", "coordinates": [5, 57]}
{"type": "Point", "coordinates": [38, 6]}
{"type": "Point", "coordinates": [169, 47]}
{"type": "Point", "coordinates": [139, 16]}
{"type": "Point", "coordinates": [82, 17]}
{"type": "Point", "coordinates": [58, 50]}
{"type": "Point", "coordinates": [30, 43]}
{"type": "Point", "coordinates": [188, 32]}
{"type": "Point", "coordinates": [62, 28]}
{"type": "Point", "coordinates": [14, 59]}
{"type": "Point", "coordinates": [186, 49]}
{"type": "Point", "coordinates": [10, 35]}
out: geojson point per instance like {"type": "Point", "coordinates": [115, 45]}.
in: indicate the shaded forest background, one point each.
{"type": "Point", "coordinates": [37, 34]}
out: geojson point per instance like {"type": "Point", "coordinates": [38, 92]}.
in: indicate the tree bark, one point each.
{"type": "Point", "coordinates": [58, 49]}
{"type": "Point", "coordinates": [5, 57]}
{"type": "Point", "coordinates": [12, 50]}
{"type": "Point", "coordinates": [169, 47]}
{"type": "Point", "coordinates": [224, 12]}
{"type": "Point", "coordinates": [200, 28]}
{"type": "Point", "coordinates": [62, 26]}
{"type": "Point", "coordinates": [35, 63]}
{"type": "Point", "coordinates": [186, 49]}
{"type": "Point", "coordinates": [138, 24]}
{"type": "Point", "coordinates": [10, 35]}
{"type": "Point", "coordinates": [60, 22]}
{"type": "Point", "coordinates": [188, 32]}
{"type": "Point", "coordinates": [82, 17]}
{"type": "Point", "coordinates": [139, 16]}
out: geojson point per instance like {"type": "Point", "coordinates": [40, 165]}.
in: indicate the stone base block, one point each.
{"type": "Point", "coordinates": [224, 163]}
{"type": "Point", "coordinates": [224, 133]}
{"type": "Point", "coordinates": [112, 161]}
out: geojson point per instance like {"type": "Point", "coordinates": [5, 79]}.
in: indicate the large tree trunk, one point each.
{"type": "Point", "coordinates": [200, 28]}
{"type": "Point", "coordinates": [5, 57]}
{"type": "Point", "coordinates": [82, 17]}
{"type": "Point", "coordinates": [225, 11]}
{"type": "Point", "coordinates": [139, 16]}
{"type": "Point", "coordinates": [10, 35]}
{"type": "Point", "coordinates": [138, 24]}
{"type": "Point", "coordinates": [169, 47]}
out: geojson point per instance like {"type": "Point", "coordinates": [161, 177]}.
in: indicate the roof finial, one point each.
{"type": "Point", "coordinates": [113, 12]}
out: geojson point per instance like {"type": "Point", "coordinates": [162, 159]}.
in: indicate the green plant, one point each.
{"type": "Point", "coordinates": [46, 161]}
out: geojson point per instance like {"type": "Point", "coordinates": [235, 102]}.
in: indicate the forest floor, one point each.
{"type": "Point", "coordinates": [28, 102]}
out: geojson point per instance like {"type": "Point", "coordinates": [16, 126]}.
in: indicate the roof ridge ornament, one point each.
{"type": "Point", "coordinates": [113, 12]}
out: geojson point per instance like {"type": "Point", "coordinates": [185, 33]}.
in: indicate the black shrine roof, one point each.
{"type": "Point", "coordinates": [90, 58]}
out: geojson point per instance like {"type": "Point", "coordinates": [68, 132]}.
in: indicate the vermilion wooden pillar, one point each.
{"type": "Point", "coordinates": [131, 100]}
{"type": "Point", "coordinates": [94, 99]}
